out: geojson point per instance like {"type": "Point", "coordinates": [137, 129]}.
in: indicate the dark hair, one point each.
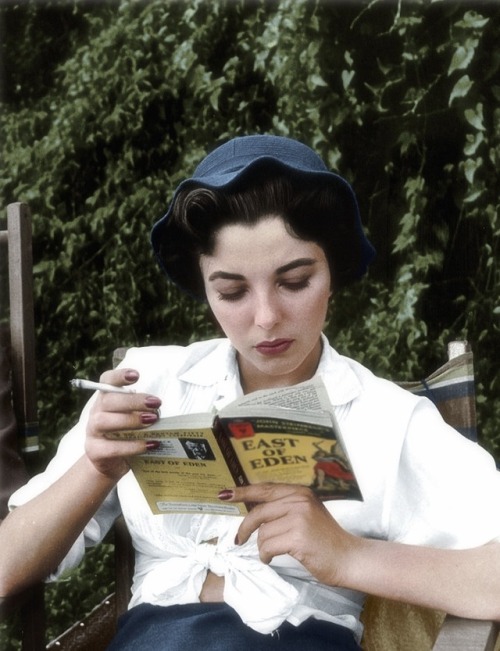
{"type": "Point", "coordinates": [310, 210]}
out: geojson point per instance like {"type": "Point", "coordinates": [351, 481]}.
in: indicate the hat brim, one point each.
{"type": "Point", "coordinates": [163, 230]}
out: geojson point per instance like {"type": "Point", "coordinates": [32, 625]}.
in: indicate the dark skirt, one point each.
{"type": "Point", "coordinates": [217, 627]}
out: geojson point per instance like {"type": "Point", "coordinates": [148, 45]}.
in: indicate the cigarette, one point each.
{"type": "Point", "coordinates": [100, 386]}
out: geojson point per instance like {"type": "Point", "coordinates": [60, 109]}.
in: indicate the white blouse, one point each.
{"type": "Point", "coordinates": [422, 483]}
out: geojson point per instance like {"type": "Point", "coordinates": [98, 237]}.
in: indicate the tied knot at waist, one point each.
{"type": "Point", "coordinates": [208, 556]}
{"type": "Point", "coordinates": [258, 594]}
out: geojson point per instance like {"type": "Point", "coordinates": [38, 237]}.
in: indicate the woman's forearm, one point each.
{"type": "Point", "coordinates": [461, 582]}
{"type": "Point", "coordinates": [291, 520]}
{"type": "Point", "coordinates": [35, 537]}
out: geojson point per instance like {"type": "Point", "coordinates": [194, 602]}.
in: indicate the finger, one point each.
{"type": "Point", "coordinates": [112, 457]}
{"type": "Point", "coordinates": [282, 500]}
{"type": "Point", "coordinates": [120, 377]}
{"type": "Point", "coordinates": [275, 538]}
{"type": "Point", "coordinates": [262, 515]}
{"type": "Point", "coordinates": [117, 417]}
{"type": "Point", "coordinates": [101, 443]}
{"type": "Point", "coordinates": [106, 448]}
{"type": "Point", "coordinates": [267, 492]}
{"type": "Point", "coordinates": [128, 402]}
{"type": "Point", "coordinates": [112, 412]}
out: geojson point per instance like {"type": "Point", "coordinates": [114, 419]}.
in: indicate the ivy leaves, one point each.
{"type": "Point", "coordinates": [401, 98]}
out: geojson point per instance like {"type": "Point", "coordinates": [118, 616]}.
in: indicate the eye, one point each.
{"type": "Point", "coordinates": [232, 296]}
{"type": "Point", "coordinates": [296, 285]}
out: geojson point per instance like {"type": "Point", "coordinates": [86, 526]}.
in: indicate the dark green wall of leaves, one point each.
{"type": "Point", "coordinates": [106, 106]}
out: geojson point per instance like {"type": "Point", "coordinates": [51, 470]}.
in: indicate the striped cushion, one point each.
{"type": "Point", "coordinates": [451, 389]}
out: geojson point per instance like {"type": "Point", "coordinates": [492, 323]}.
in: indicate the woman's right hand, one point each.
{"type": "Point", "coordinates": [118, 411]}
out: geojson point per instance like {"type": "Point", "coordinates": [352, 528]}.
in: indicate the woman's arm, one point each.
{"type": "Point", "coordinates": [465, 582]}
{"type": "Point", "coordinates": [291, 520]}
{"type": "Point", "coordinates": [36, 536]}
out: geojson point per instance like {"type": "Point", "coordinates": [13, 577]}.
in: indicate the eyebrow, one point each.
{"type": "Point", "coordinates": [294, 264]}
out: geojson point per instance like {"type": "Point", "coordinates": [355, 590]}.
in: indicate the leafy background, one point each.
{"type": "Point", "coordinates": [107, 105]}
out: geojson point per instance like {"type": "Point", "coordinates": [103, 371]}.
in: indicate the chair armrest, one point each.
{"type": "Point", "coordinates": [95, 631]}
{"type": "Point", "coordinates": [459, 634]}
{"type": "Point", "coordinates": [124, 565]}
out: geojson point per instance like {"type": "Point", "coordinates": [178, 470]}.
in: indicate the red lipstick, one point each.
{"type": "Point", "coordinates": [275, 347]}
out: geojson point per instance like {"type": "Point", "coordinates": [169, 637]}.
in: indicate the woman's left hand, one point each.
{"type": "Point", "coordinates": [290, 519]}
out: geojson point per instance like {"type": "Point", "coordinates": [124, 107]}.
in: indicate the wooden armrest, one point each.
{"type": "Point", "coordinates": [124, 565]}
{"type": "Point", "coordinates": [93, 632]}
{"type": "Point", "coordinates": [459, 634]}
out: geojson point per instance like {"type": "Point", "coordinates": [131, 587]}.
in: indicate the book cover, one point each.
{"type": "Point", "coordinates": [288, 446]}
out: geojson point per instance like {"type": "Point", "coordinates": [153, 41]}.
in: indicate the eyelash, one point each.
{"type": "Point", "coordinates": [233, 297]}
{"type": "Point", "coordinates": [296, 286]}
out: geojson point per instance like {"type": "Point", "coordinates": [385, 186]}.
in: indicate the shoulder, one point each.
{"type": "Point", "coordinates": [173, 354]}
{"type": "Point", "coordinates": [202, 363]}
{"type": "Point", "coordinates": [349, 381]}
{"type": "Point", "coordinates": [375, 385]}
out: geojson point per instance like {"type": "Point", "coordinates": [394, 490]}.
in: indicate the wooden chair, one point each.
{"type": "Point", "coordinates": [18, 416]}
{"type": "Point", "coordinates": [451, 387]}
{"type": "Point", "coordinates": [392, 626]}
{"type": "Point", "coordinates": [17, 238]}
{"type": "Point", "coordinates": [395, 626]}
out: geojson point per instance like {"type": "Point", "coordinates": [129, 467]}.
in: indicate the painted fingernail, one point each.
{"type": "Point", "coordinates": [225, 494]}
{"type": "Point", "coordinates": [152, 445]}
{"type": "Point", "coordinates": [131, 375]}
{"type": "Point", "coordinates": [148, 418]}
{"type": "Point", "coordinates": [152, 402]}
{"type": "Point", "coordinates": [236, 540]}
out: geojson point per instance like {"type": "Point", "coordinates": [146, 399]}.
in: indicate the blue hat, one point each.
{"type": "Point", "coordinates": [237, 161]}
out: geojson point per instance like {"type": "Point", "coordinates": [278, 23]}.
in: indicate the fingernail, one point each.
{"type": "Point", "coordinates": [152, 445]}
{"type": "Point", "coordinates": [152, 402]}
{"type": "Point", "coordinates": [225, 494]}
{"type": "Point", "coordinates": [148, 418]}
{"type": "Point", "coordinates": [131, 375]}
{"type": "Point", "coordinates": [236, 540]}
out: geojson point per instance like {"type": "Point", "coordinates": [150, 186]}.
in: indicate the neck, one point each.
{"type": "Point", "coordinates": [252, 379]}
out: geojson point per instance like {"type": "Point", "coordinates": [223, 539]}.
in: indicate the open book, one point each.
{"type": "Point", "coordinates": [285, 435]}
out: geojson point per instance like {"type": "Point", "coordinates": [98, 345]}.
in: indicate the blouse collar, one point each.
{"type": "Point", "coordinates": [219, 367]}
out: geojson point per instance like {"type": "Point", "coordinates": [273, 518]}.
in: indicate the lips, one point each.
{"type": "Point", "coordinates": [275, 347]}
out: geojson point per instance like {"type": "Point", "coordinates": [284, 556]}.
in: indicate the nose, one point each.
{"type": "Point", "coordinates": [267, 310]}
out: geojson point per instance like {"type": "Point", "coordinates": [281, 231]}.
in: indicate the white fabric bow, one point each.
{"type": "Point", "coordinates": [259, 595]}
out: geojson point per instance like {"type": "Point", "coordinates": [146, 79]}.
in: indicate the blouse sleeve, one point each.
{"type": "Point", "coordinates": [447, 489]}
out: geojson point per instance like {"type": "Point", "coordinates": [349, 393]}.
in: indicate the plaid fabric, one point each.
{"type": "Point", "coordinates": [451, 388]}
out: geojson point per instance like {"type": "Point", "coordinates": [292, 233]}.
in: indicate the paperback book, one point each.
{"type": "Point", "coordinates": [287, 435]}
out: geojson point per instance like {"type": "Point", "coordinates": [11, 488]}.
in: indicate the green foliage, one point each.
{"type": "Point", "coordinates": [77, 594]}
{"type": "Point", "coordinates": [69, 598]}
{"type": "Point", "coordinates": [401, 97]}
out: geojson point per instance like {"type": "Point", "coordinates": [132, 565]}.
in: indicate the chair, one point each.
{"type": "Point", "coordinates": [451, 387]}
{"type": "Point", "coordinates": [18, 416]}
{"type": "Point", "coordinates": [17, 238]}
{"type": "Point", "coordinates": [395, 626]}
{"type": "Point", "coordinates": [392, 626]}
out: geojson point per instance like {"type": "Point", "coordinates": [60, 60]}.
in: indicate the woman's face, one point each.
{"type": "Point", "coordinates": [269, 291]}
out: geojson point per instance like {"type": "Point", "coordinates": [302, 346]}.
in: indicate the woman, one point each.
{"type": "Point", "coordinates": [265, 233]}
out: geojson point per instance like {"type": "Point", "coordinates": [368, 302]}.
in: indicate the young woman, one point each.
{"type": "Point", "coordinates": [265, 234]}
